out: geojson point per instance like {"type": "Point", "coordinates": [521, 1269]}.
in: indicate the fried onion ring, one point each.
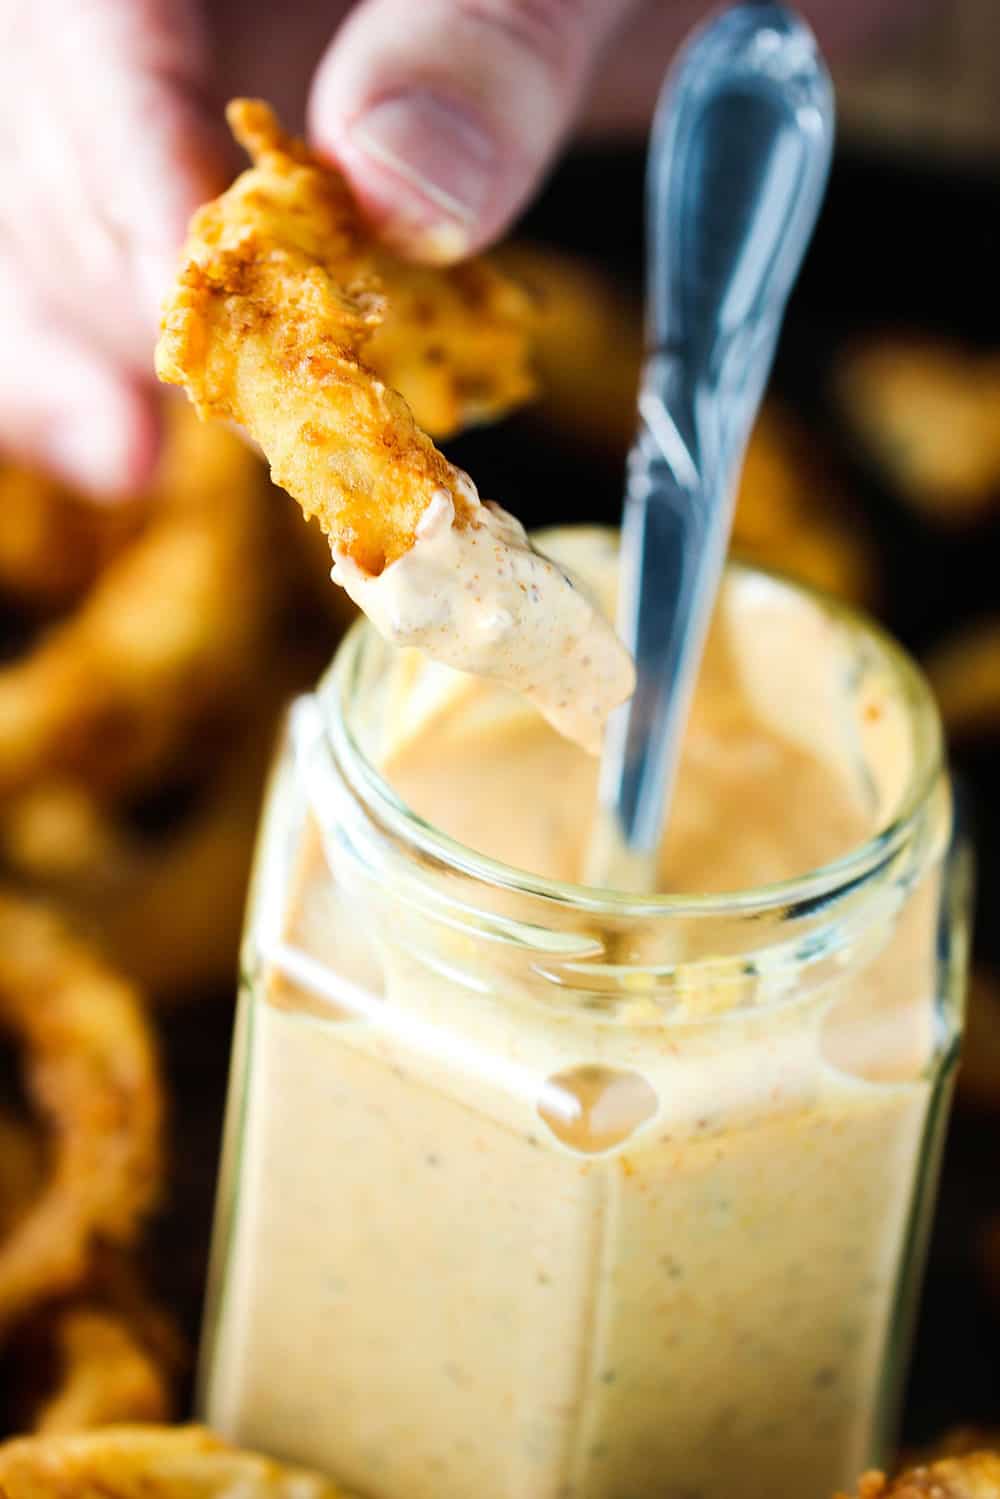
{"type": "Point", "coordinates": [91, 1070]}
{"type": "Point", "coordinates": [928, 413]}
{"type": "Point", "coordinates": [104, 1374]}
{"type": "Point", "coordinates": [109, 1354]}
{"type": "Point", "coordinates": [975, 1475]}
{"type": "Point", "coordinates": [278, 307]}
{"type": "Point", "coordinates": [165, 906]}
{"type": "Point", "coordinates": [166, 636]}
{"type": "Point", "coordinates": [149, 1462]}
{"type": "Point", "coordinates": [54, 542]}
{"type": "Point", "coordinates": [282, 293]}
{"type": "Point", "coordinates": [587, 337]}
{"type": "Point", "coordinates": [789, 516]}
{"type": "Point", "coordinates": [165, 910]}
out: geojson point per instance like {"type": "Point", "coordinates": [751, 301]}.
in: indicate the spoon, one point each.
{"type": "Point", "coordinates": [738, 162]}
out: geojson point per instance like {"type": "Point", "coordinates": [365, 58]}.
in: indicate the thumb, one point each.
{"type": "Point", "coordinates": [444, 115]}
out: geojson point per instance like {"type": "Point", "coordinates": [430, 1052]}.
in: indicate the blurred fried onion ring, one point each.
{"type": "Point", "coordinates": [587, 336]}
{"type": "Point", "coordinates": [289, 319]}
{"type": "Point", "coordinates": [965, 674]}
{"type": "Point", "coordinates": [103, 1373]}
{"type": "Point", "coordinates": [90, 1068]}
{"type": "Point", "coordinates": [789, 515]}
{"type": "Point", "coordinates": [165, 906]}
{"type": "Point", "coordinates": [167, 633]}
{"type": "Point", "coordinates": [928, 413]}
{"type": "Point", "coordinates": [105, 1355]}
{"type": "Point", "coordinates": [54, 542]}
{"type": "Point", "coordinates": [22, 1168]}
{"type": "Point", "coordinates": [149, 1462]}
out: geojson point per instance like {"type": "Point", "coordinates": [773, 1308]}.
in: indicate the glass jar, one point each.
{"type": "Point", "coordinates": [533, 1191]}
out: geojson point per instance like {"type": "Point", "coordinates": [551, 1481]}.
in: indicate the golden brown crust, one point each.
{"type": "Point", "coordinates": [91, 1071]}
{"type": "Point", "coordinates": [148, 1462]}
{"type": "Point", "coordinates": [288, 318]}
{"type": "Point", "coordinates": [975, 1475]}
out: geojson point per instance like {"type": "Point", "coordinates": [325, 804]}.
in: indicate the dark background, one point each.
{"type": "Point", "coordinates": [901, 245]}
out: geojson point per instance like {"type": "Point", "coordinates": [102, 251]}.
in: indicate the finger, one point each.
{"type": "Point", "coordinates": [106, 161]}
{"type": "Point", "coordinates": [445, 115]}
{"type": "Point", "coordinates": [66, 407]}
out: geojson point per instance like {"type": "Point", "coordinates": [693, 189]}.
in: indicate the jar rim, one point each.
{"type": "Point", "coordinates": [812, 888]}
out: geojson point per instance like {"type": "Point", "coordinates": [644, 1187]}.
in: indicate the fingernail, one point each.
{"type": "Point", "coordinates": [441, 154]}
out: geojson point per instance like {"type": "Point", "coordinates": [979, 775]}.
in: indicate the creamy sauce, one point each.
{"type": "Point", "coordinates": [481, 1237]}
{"type": "Point", "coordinates": [478, 596]}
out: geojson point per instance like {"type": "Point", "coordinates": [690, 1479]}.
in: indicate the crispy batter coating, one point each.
{"type": "Point", "coordinates": [291, 320]}
{"type": "Point", "coordinates": [167, 635]}
{"type": "Point", "coordinates": [929, 414]}
{"type": "Point", "coordinates": [149, 1462]}
{"type": "Point", "coordinates": [973, 1476]}
{"type": "Point", "coordinates": [90, 1068]}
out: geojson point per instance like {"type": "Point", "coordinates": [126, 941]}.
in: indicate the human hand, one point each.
{"type": "Point", "coordinates": [444, 114]}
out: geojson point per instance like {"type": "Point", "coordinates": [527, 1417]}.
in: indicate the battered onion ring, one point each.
{"type": "Point", "coordinates": [928, 413]}
{"type": "Point", "coordinates": [587, 337]}
{"type": "Point", "coordinates": [104, 1373]}
{"type": "Point", "coordinates": [277, 321]}
{"type": "Point", "coordinates": [53, 542]}
{"type": "Point", "coordinates": [91, 1070]}
{"type": "Point", "coordinates": [106, 1354]}
{"type": "Point", "coordinates": [149, 1462]}
{"type": "Point", "coordinates": [22, 1168]}
{"type": "Point", "coordinates": [165, 908]}
{"type": "Point", "coordinates": [167, 636]}
{"type": "Point", "coordinates": [975, 1475]}
{"type": "Point", "coordinates": [790, 516]}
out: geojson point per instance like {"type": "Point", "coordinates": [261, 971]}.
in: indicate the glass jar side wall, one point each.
{"type": "Point", "coordinates": [498, 1239]}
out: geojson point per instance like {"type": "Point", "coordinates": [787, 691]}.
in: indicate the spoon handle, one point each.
{"type": "Point", "coordinates": [738, 162]}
